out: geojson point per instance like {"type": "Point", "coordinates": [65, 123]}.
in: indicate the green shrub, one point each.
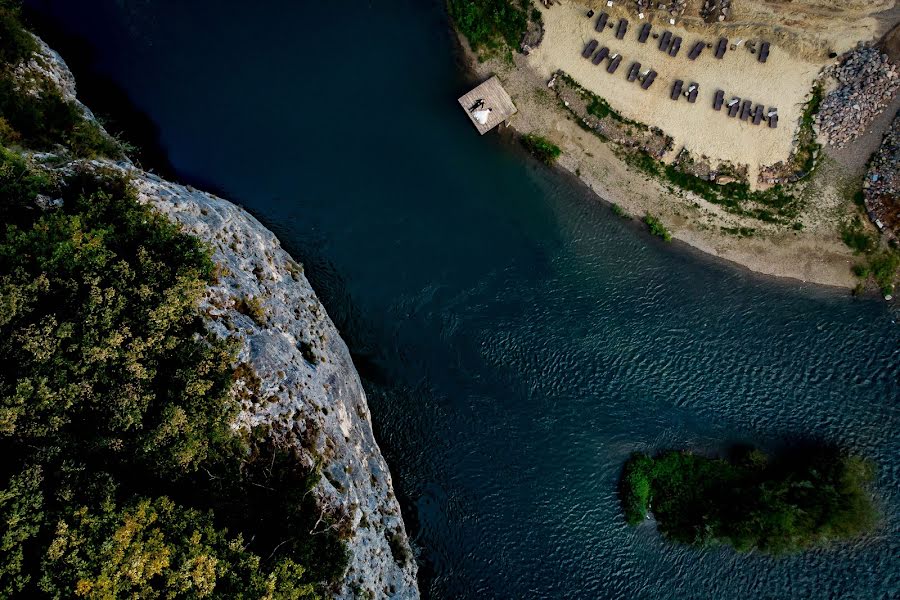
{"type": "Point", "coordinates": [619, 211]}
{"type": "Point", "coordinates": [43, 120]}
{"type": "Point", "coordinates": [116, 416]}
{"type": "Point", "coordinates": [490, 24]}
{"type": "Point", "coordinates": [19, 186]}
{"type": "Point", "coordinates": [796, 501]}
{"type": "Point", "coordinates": [16, 43]}
{"type": "Point", "coordinates": [657, 228]}
{"type": "Point", "coordinates": [634, 487]}
{"type": "Point", "coordinates": [253, 308]}
{"type": "Point", "coordinates": [541, 148]}
{"type": "Point", "coordinates": [856, 238]}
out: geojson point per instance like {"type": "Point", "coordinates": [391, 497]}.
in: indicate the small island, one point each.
{"type": "Point", "coordinates": [778, 505]}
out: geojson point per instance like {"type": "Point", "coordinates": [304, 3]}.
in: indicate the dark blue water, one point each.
{"type": "Point", "coordinates": [518, 341]}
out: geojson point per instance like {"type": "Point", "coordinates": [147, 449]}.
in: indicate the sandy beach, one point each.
{"type": "Point", "coordinates": [813, 253]}
{"type": "Point", "coordinates": [783, 82]}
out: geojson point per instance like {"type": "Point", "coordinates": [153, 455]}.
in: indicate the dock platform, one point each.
{"type": "Point", "coordinates": [495, 98]}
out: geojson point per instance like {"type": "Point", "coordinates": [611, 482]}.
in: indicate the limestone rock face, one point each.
{"type": "Point", "coordinates": [296, 374]}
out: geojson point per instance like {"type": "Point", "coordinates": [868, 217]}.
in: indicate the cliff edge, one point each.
{"type": "Point", "coordinates": [295, 378]}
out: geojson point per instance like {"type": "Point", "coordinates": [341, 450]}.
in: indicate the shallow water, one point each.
{"type": "Point", "coordinates": [518, 341]}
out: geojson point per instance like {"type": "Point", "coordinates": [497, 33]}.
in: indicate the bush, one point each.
{"type": "Point", "coordinates": [490, 24]}
{"type": "Point", "coordinates": [541, 148]}
{"type": "Point", "coordinates": [43, 120]}
{"type": "Point", "coordinates": [116, 416]}
{"type": "Point", "coordinates": [634, 487]}
{"type": "Point", "coordinates": [16, 44]}
{"type": "Point", "coordinates": [791, 503]}
{"type": "Point", "coordinates": [856, 238]}
{"type": "Point", "coordinates": [657, 228]}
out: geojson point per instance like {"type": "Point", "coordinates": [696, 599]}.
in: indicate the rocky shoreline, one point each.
{"type": "Point", "coordinates": [866, 81]}
{"type": "Point", "coordinates": [881, 189]}
{"type": "Point", "coordinates": [295, 375]}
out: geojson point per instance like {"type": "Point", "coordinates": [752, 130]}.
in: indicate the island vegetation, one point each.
{"type": "Point", "coordinates": [782, 504]}
{"type": "Point", "coordinates": [122, 473]}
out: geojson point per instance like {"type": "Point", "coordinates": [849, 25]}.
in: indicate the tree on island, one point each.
{"type": "Point", "coordinates": [778, 505]}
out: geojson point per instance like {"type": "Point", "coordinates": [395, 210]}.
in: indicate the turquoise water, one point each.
{"type": "Point", "coordinates": [517, 340]}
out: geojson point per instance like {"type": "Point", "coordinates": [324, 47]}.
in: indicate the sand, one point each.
{"type": "Point", "coordinates": [783, 82]}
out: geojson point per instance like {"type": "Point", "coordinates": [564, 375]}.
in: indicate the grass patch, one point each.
{"type": "Point", "coordinates": [857, 238]}
{"type": "Point", "coordinates": [804, 159]}
{"type": "Point", "coordinates": [882, 266]}
{"type": "Point", "coordinates": [541, 148]}
{"type": "Point", "coordinates": [790, 503]}
{"type": "Point", "coordinates": [657, 228]}
{"type": "Point", "coordinates": [619, 211]}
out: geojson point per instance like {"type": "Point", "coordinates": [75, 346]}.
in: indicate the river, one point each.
{"type": "Point", "coordinates": [517, 340]}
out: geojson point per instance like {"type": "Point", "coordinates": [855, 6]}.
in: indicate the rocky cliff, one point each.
{"type": "Point", "coordinates": [295, 375]}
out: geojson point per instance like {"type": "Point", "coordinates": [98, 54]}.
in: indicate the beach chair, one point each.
{"type": "Point", "coordinates": [604, 52]}
{"type": "Point", "coordinates": [763, 52]}
{"type": "Point", "coordinates": [757, 114]}
{"type": "Point", "coordinates": [589, 49]}
{"type": "Point", "coordinates": [621, 29]}
{"type": "Point", "coordinates": [665, 40]}
{"type": "Point", "coordinates": [745, 109]}
{"type": "Point", "coordinates": [601, 22]}
{"type": "Point", "coordinates": [773, 118]}
{"type": "Point", "coordinates": [721, 47]}
{"type": "Point", "coordinates": [644, 33]}
{"type": "Point", "coordinates": [676, 89]}
{"type": "Point", "coordinates": [718, 99]}
{"type": "Point", "coordinates": [633, 71]}
{"type": "Point", "coordinates": [648, 80]}
{"type": "Point", "coordinates": [734, 105]}
{"type": "Point", "coordinates": [696, 50]}
{"type": "Point", "coordinates": [692, 92]}
{"type": "Point", "coordinates": [614, 64]}
{"type": "Point", "coordinates": [675, 47]}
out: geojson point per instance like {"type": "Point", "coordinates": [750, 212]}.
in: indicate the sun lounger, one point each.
{"type": "Point", "coordinates": [721, 47]}
{"type": "Point", "coordinates": [614, 64]}
{"type": "Point", "coordinates": [696, 50]}
{"type": "Point", "coordinates": [718, 99]}
{"type": "Point", "coordinates": [621, 29]}
{"type": "Point", "coordinates": [648, 80]}
{"type": "Point", "coordinates": [633, 71]}
{"type": "Point", "coordinates": [589, 49]}
{"type": "Point", "coordinates": [604, 52]}
{"type": "Point", "coordinates": [601, 22]}
{"type": "Point", "coordinates": [665, 40]}
{"type": "Point", "coordinates": [764, 52]}
{"type": "Point", "coordinates": [773, 118]}
{"type": "Point", "coordinates": [692, 92]}
{"type": "Point", "coordinates": [757, 114]}
{"type": "Point", "coordinates": [745, 110]}
{"type": "Point", "coordinates": [676, 89]}
{"type": "Point", "coordinates": [645, 33]}
{"type": "Point", "coordinates": [734, 105]}
{"type": "Point", "coordinates": [675, 47]}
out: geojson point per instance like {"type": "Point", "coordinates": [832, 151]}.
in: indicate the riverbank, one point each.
{"type": "Point", "coordinates": [805, 246]}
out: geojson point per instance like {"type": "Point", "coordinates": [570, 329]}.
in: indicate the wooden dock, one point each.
{"type": "Point", "coordinates": [495, 98]}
